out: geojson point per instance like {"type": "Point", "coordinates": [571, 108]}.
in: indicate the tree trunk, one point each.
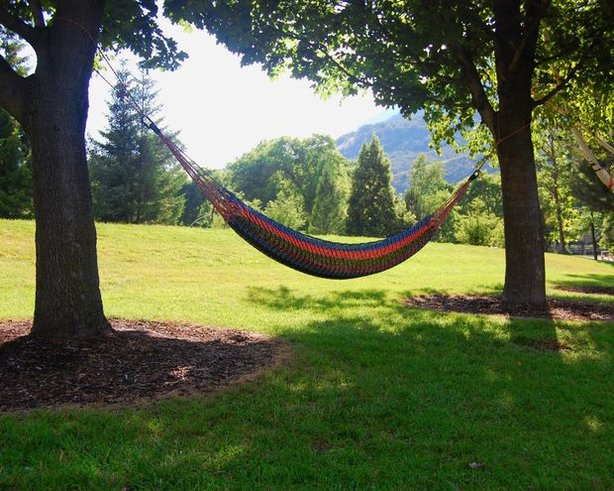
{"type": "Point", "coordinates": [516, 35]}
{"type": "Point", "coordinates": [68, 301]}
{"type": "Point", "coordinates": [524, 242]}
{"type": "Point", "coordinates": [594, 239]}
{"type": "Point", "coordinates": [555, 193]}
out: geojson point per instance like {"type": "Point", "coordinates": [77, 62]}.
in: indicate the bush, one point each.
{"type": "Point", "coordinates": [479, 227]}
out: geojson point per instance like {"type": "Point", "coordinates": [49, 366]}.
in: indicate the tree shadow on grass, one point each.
{"type": "Point", "coordinates": [515, 394]}
{"type": "Point", "coordinates": [283, 299]}
{"type": "Point", "coordinates": [380, 396]}
{"type": "Point", "coordinates": [597, 284]}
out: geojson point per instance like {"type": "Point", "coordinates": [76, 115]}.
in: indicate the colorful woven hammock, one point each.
{"type": "Point", "coordinates": [308, 254]}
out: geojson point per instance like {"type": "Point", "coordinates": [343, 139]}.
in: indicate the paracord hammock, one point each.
{"type": "Point", "coordinates": [302, 252]}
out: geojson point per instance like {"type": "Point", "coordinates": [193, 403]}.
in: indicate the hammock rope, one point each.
{"type": "Point", "coordinates": [311, 255]}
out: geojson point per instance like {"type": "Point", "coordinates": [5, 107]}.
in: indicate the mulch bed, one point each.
{"type": "Point", "coordinates": [142, 360]}
{"type": "Point", "coordinates": [556, 309]}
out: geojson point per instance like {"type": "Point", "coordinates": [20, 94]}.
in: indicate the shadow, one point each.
{"type": "Point", "coordinates": [154, 360]}
{"type": "Point", "coordinates": [284, 299]}
{"type": "Point", "coordinates": [596, 284]}
{"type": "Point", "coordinates": [454, 388]}
{"type": "Point", "coordinates": [379, 396]}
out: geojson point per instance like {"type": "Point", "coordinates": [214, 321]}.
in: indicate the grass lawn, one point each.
{"type": "Point", "coordinates": [377, 395]}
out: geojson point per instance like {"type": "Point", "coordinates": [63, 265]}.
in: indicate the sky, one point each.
{"type": "Point", "coordinates": [223, 110]}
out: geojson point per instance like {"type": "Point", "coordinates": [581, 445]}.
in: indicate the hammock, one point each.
{"type": "Point", "coordinates": [603, 175]}
{"type": "Point", "coordinates": [304, 253]}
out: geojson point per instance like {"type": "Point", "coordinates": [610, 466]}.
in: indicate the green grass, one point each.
{"type": "Point", "coordinates": [377, 396]}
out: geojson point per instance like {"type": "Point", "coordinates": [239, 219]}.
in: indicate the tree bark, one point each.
{"type": "Point", "coordinates": [516, 36]}
{"type": "Point", "coordinates": [524, 242]}
{"type": "Point", "coordinates": [594, 238]}
{"type": "Point", "coordinates": [68, 300]}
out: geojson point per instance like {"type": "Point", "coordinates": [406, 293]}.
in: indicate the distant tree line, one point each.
{"type": "Point", "coordinates": [305, 183]}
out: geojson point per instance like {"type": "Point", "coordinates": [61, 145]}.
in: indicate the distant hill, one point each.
{"type": "Point", "coordinates": [402, 141]}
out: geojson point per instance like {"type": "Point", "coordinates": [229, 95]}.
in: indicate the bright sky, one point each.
{"type": "Point", "coordinates": [223, 110]}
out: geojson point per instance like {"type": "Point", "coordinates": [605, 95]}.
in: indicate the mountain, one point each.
{"type": "Point", "coordinates": [403, 140]}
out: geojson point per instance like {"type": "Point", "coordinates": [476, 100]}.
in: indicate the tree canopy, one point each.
{"type": "Point", "coordinates": [288, 164]}
{"type": "Point", "coordinates": [424, 54]}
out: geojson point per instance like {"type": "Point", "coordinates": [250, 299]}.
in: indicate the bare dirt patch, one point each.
{"type": "Point", "coordinates": [142, 360]}
{"type": "Point", "coordinates": [556, 309]}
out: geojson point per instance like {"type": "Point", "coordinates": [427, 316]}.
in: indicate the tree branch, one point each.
{"type": "Point", "coordinates": [37, 13]}
{"type": "Point", "coordinates": [561, 85]}
{"type": "Point", "coordinates": [473, 82]}
{"type": "Point", "coordinates": [11, 90]}
{"type": "Point", "coordinates": [19, 27]}
{"type": "Point", "coordinates": [529, 33]}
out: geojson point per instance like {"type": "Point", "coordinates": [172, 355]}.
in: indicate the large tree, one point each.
{"type": "Point", "coordinates": [276, 164]}
{"type": "Point", "coordinates": [372, 203]}
{"type": "Point", "coordinates": [51, 105]}
{"type": "Point", "coordinates": [135, 178]}
{"type": "Point", "coordinates": [501, 58]}
{"type": "Point", "coordinates": [330, 205]}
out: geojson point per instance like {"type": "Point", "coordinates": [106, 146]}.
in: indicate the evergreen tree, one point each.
{"type": "Point", "coordinates": [15, 174]}
{"type": "Point", "coordinates": [371, 208]}
{"type": "Point", "coordinates": [134, 178]}
{"type": "Point", "coordinates": [194, 200]}
{"type": "Point", "coordinates": [330, 205]}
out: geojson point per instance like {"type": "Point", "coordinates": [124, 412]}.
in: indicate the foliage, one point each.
{"type": "Point", "coordinates": [330, 206]}
{"type": "Point", "coordinates": [427, 190]}
{"type": "Point", "coordinates": [295, 162]}
{"type": "Point", "coordinates": [134, 178]}
{"type": "Point", "coordinates": [15, 173]}
{"type": "Point", "coordinates": [427, 187]}
{"type": "Point", "coordinates": [588, 189]}
{"type": "Point", "coordinates": [487, 187]}
{"type": "Point", "coordinates": [478, 218]}
{"type": "Point", "coordinates": [479, 226]}
{"type": "Point", "coordinates": [288, 208]}
{"type": "Point", "coordinates": [194, 200]}
{"type": "Point", "coordinates": [555, 174]}
{"type": "Point", "coordinates": [607, 239]}
{"type": "Point", "coordinates": [372, 204]}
